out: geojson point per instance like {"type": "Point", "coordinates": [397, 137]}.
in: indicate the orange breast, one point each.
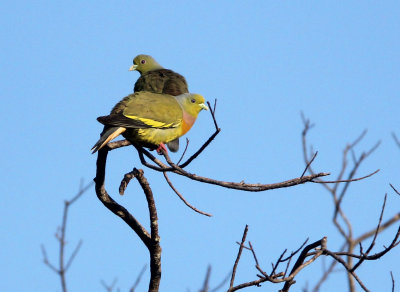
{"type": "Point", "coordinates": [185, 127]}
{"type": "Point", "coordinates": [187, 123]}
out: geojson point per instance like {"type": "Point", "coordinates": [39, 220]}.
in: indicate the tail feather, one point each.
{"type": "Point", "coordinates": [106, 136]}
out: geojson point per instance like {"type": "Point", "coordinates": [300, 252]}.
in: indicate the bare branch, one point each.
{"type": "Point", "coordinates": [206, 280]}
{"type": "Point", "coordinates": [113, 206]}
{"type": "Point", "coordinates": [182, 198]}
{"type": "Point", "coordinates": [217, 130]}
{"type": "Point", "coordinates": [46, 260]}
{"type": "Point", "coordinates": [347, 180]}
{"type": "Point", "coordinates": [300, 261]}
{"type": "Point", "coordinates": [242, 185]}
{"type": "Point", "coordinates": [184, 151]}
{"type": "Point", "coordinates": [325, 276]}
{"type": "Point", "coordinates": [373, 240]}
{"type": "Point", "coordinates": [341, 261]}
{"type": "Point", "coordinates": [296, 251]}
{"type": "Point", "coordinates": [396, 140]}
{"type": "Point", "coordinates": [396, 191]}
{"type": "Point", "coordinates": [152, 240]}
{"type": "Point", "coordinates": [358, 139]}
{"type": "Point", "coordinates": [383, 226]}
{"type": "Point", "coordinates": [277, 263]}
{"type": "Point", "coordinates": [61, 237]}
{"type": "Point", "coordinates": [73, 255]}
{"type": "Point", "coordinates": [391, 276]}
{"type": "Point", "coordinates": [223, 282]}
{"type": "Point", "coordinates": [109, 288]}
{"type": "Point", "coordinates": [309, 163]}
{"type": "Point", "coordinates": [139, 277]}
{"type": "Point", "coordinates": [254, 253]}
{"type": "Point", "coordinates": [238, 256]}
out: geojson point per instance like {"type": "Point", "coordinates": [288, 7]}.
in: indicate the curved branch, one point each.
{"type": "Point", "coordinates": [152, 240]}
{"type": "Point", "coordinates": [113, 206]}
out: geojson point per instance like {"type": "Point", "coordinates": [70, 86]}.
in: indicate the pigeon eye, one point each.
{"type": "Point", "coordinates": [143, 61]}
{"type": "Point", "coordinates": [193, 100]}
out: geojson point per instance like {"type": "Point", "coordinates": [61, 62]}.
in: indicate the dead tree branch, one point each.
{"type": "Point", "coordinates": [64, 265]}
{"type": "Point", "coordinates": [238, 256]}
{"type": "Point", "coordinates": [151, 240]}
{"type": "Point", "coordinates": [338, 192]}
{"type": "Point", "coordinates": [308, 255]}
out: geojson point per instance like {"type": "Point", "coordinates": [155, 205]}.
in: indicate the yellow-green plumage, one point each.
{"type": "Point", "coordinates": [150, 119]}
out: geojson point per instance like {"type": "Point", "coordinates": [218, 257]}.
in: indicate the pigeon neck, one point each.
{"type": "Point", "coordinates": [188, 121]}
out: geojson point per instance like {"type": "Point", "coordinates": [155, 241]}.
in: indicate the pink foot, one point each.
{"type": "Point", "coordinates": [160, 148]}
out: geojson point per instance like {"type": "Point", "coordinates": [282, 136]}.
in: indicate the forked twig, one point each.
{"type": "Point", "coordinates": [64, 265]}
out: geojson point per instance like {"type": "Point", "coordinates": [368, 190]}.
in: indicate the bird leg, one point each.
{"type": "Point", "coordinates": [160, 149]}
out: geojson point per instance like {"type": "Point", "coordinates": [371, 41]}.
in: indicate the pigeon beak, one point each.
{"type": "Point", "coordinates": [203, 106]}
{"type": "Point", "coordinates": [133, 68]}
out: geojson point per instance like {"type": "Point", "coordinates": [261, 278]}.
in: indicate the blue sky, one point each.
{"type": "Point", "coordinates": [64, 64]}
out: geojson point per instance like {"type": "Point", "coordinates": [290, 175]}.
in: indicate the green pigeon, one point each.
{"type": "Point", "coordinates": [151, 119]}
{"type": "Point", "coordinates": [155, 78]}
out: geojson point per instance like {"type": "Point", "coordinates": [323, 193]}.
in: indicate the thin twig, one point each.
{"type": "Point", "coordinates": [373, 240]}
{"type": "Point", "coordinates": [109, 288]}
{"type": "Point", "coordinates": [74, 253]}
{"type": "Point", "coordinates": [206, 280]}
{"type": "Point", "coordinates": [223, 282]}
{"type": "Point", "coordinates": [184, 151]}
{"type": "Point", "coordinates": [279, 260]}
{"type": "Point", "coordinates": [217, 130]}
{"type": "Point", "coordinates": [238, 256]}
{"type": "Point", "coordinates": [182, 198]}
{"type": "Point", "coordinates": [396, 191]}
{"type": "Point", "coordinates": [396, 140]}
{"type": "Point", "coordinates": [391, 276]}
{"type": "Point", "coordinates": [383, 226]}
{"type": "Point", "coordinates": [347, 180]}
{"type": "Point", "coordinates": [338, 259]}
{"type": "Point", "coordinates": [61, 237]}
{"type": "Point", "coordinates": [325, 276]}
{"type": "Point", "coordinates": [309, 163]}
{"type": "Point", "coordinates": [296, 251]}
{"type": "Point", "coordinates": [254, 253]}
{"type": "Point", "coordinates": [300, 261]}
{"type": "Point", "coordinates": [46, 260]}
{"type": "Point", "coordinates": [139, 277]}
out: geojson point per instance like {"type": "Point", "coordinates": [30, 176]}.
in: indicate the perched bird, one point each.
{"type": "Point", "coordinates": [151, 119]}
{"type": "Point", "coordinates": [154, 78]}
